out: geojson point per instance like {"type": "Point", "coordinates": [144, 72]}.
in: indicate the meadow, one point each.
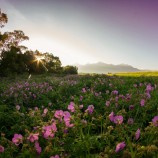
{"type": "Point", "coordinates": [79, 116]}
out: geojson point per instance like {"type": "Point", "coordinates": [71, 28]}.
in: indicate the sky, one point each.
{"type": "Point", "coordinates": [89, 31]}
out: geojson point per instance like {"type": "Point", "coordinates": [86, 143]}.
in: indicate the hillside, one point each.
{"type": "Point", "coordinates": [101, 67]}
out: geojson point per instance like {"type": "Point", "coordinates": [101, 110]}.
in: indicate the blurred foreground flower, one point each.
{"type": "Point", "coordinates": [155, 121]}
{"type": "Point", "coordinates": [137, 134]}
{"type": "Point", "coordinates": [120, 146]}
{"type": "Point", "coordinates": [1, 149]}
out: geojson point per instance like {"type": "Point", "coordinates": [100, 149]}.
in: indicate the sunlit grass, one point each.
{"type": "Point", "coordinates": [137, 74]}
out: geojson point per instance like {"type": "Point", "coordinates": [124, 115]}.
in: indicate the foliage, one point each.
{"type": "Point", "coordinates": [70, 69]}
{"type": "Point", "coordinates": [79, 116]}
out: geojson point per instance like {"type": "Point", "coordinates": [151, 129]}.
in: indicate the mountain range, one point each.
{"type": "Point", "coordinates": [101, 67]}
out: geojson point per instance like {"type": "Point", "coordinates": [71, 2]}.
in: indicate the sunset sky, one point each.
{"type": "Point", "coordinates": [89, 31]}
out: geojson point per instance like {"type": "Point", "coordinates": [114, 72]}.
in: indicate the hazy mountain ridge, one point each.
{"type": "Point", "coordinates": [101, 67]}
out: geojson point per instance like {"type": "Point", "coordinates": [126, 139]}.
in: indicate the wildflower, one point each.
{"type": "Point", "coordinates": [71, 107]}
{"type": "Point", "coordinates": [130, 121]}
{"type": "Point", "coordinates": [135, 85]}
{"type": "Point", "coordinates": [32, 137]}
{"type": "Point", "coordinates": [1, 149]}
{"type": "Point", "coordinates": [131, 107]}
{"type": "Point", "coordinates": [45, 111]}
{"type": "Point", "coordinates": [142, 102]}
{"type": "Point", "coordinates": [17, 107]}
{"type": "Point", "coordinates": [137, 134]}
{"type": "Point", "coordinates": [49, 131]}
{"type": "Point", "coordinates": [56, 156]}
{"type": "Point", "coordinates": [120, 146]}
{"type": "Point", "coordinates": [67, 118]}
{"type": "Point", "coordinates": [81, 98]}
{"type": "Point", "coordinates": [115, 92]}
{"type": "Point", "coordinates": [155, 121]}
{"type": "Point", "coordinates": [118, 119]}
{"type": "Point", "coordinates": [81, 106]}
{"type": "Point", "coordinates": [17, 139]}
{"type": "Point", "coordinates": [84, 90]}
{"type": "Point", "coordinates": [149, 88]}
{"type": "Point", "coordinates": [38, 148]}
{"type": "Point", "coordinates": [107, 103]}
{"type": "Point", "coordinates": [90, 109]}
{"type": "Point", "coordinates": [111, 116]}
{"type": "Point", "coordinates": [59, 114]}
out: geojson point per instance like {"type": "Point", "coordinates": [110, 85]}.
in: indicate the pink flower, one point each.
{"type": "Point", "coordinates": [49, 131]}
{"type": "Point", "coordinates": [118, 119]}
{"type": "Point", "coordinates": [135, 85]}
{"type": "Point", "coordinates": [38, 148]}
{"type": "Point", "coordinates": [149, 88]}
{"type": "Point", "coordinates": [1, 149]}
{"type": "Point", "coordinates": [59, 114]}
{"type": "Point", "coordinates": [56, 156]}
{"type": "Point", "coordinates": [81, 106]}
{"type": "Point", "coordinates": [71, 107]}
{"type": "Point", "coordinates": [81, 98]}
{"type": "Point", "coordinates": [17, 139]}
{"type": "Point", "coordinates": [120, 146]}
{"type": "Point", "coordinates": [90, 109]}
{"type": "Point", "coordinates": [84, 90]}
{"type": "Point", "coordinates": [67, 119]}
{"type": "Point", "coordinates": [107, 103]}
{"type": "Point", "coordinates": [142, 102]}
{"type": "Point", "coordinates": [115, 92]}
{"type": "Point", "coordinates": [137, 134]}
{"type": "Point", "coordinates": [17, 107]}
{"type": "Point", "coordinates": [130, 121]}
{"type": "Point", "coordinates": [45, 111]}
{"type": "Point", "coordinates": [32, 137]}
{"type": "Point", "coordinates": [155, 121]}
{"type": "Point", "coordinates": [111, 116]}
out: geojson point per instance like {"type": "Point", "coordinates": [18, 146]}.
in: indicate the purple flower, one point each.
{"type": "Point", "coordinates": [84, 90]}
{"type": "Point", "coordinates": [90, 109]}
{"type": "Point", "coordinates": [115, 92]}
{"type": "Point", "coordinates": [56, 156]}
{"type": "Point", "coordinates": [38, 148]}
{"type": "Point", "coordinates": [111, 116]}
{"type": "Point", "coordinates": [142, 102]}
{"type": "Point", "coordinates": [17, 139]}
{"type": "Point", "coordinates": [130, 121]}
{"type": "Point", "coordinates": [137, 134]}
{"type": "Point", "coordinates": [131, 107]}
{"type": "Point", "coordinates": [120, 146]}
{"type": "Point", "coordinates": [71, 107]}
{"type": "Point", "coordinates": [32, 137]}
{"type": "Point", "coordinates": [118, 119]}
{"type": "Point", "coordinates": [59, 114]}
{"type": "Point", "coordinates": [1, 149]}
{"type": "Point", "coordinates": [155, 121]}
{"type": "Point", "coordinates": [107, 103]}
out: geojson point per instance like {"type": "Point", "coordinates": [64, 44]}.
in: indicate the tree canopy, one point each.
{"type": "Point", "coordinates": [16, 58]}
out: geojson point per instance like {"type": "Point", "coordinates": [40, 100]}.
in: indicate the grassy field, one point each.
{"type": "Point", "coordinates": [79, 116]}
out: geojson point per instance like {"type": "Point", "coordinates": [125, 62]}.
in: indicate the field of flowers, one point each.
{"type": "Point", "coordinates": [79, 116]}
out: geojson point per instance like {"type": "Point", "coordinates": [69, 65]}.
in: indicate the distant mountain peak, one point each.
{"type": "Point", "coordinates": [101, 67]}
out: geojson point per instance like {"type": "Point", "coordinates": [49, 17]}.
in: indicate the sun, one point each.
{"type": "Point", "coordinates": [39, 59]}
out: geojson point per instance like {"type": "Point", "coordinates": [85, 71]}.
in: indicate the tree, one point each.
{"type": "Point", "coordinates": [15, 58]}
{"type": "Point", "coordinates": [70, 69]}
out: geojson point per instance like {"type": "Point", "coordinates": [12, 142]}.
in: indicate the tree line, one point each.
{"type": "Point", "coordinates": [17, 59]}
